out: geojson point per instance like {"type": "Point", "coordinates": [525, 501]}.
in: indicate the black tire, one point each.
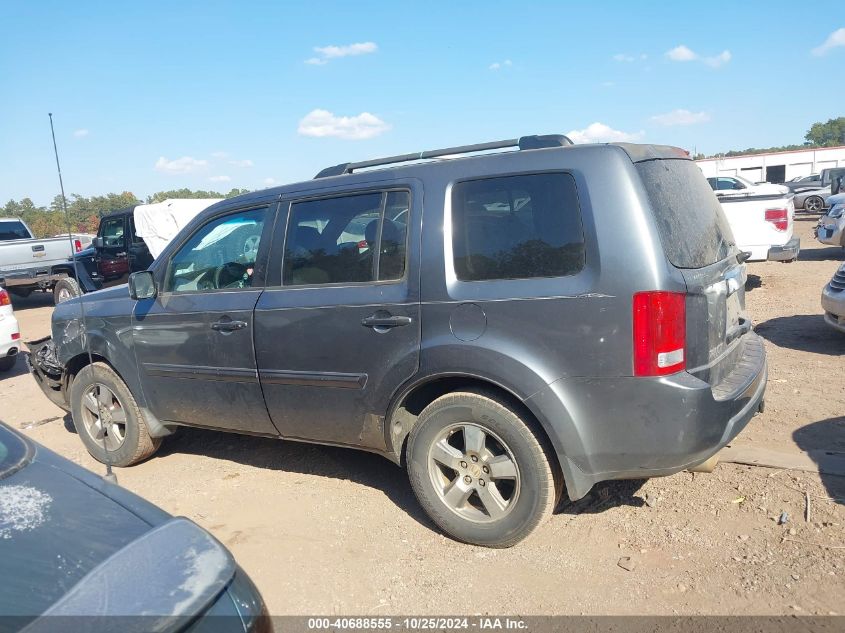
{"type": "Point", "coordinates": [7, 362]}
{"type": "Point", "coordinates": [814, 204]}
{"type": "Point", "coordinates": [534, 492]}
{"type": "Point", "coordinates": [65, 289]}
{"type": "Point", "coordinates": [136, 444]}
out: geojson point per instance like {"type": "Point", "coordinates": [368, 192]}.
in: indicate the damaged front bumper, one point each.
{"type": "Point", "coordinates": [47, 371]}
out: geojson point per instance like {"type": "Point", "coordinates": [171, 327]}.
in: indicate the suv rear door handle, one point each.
{"type": "Point", "coordinates": [228, 326]}
{"type": "Point", "coordinates": [385, 321]}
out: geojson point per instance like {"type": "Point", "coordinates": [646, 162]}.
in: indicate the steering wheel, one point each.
{"type": "Point", "coordinates": [250, 249]}
{"type": "Point", "coordinates": [230, 275]}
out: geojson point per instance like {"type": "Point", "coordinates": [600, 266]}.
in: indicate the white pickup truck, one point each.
{"type": "Point", "coordinates": [26, 262]}
{"type": "Point", "coordinates": [762, 223]}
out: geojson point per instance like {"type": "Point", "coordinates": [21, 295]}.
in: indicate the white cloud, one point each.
{"type": "Point", "coordinates": [241, 163]}
{"type": "Point", "coordinates": [219, 154]}
{"type": "Point", "coordinates": [270, 181]}
{"type": "Point", "coordinates": [184, 165]}
{"type": "Point", "coordinates": [80, 133]}
{"type": "Point", "coordinates": [718, 60]}
{"type": "Point", "coordinates": [681, 54]}
{"type": "Point", "coordinates": [681, 117]}
{"type": "Point", "coordinates": [622, 57]}
{"type": "Point", "coordinates": [499, 65]}
{"type": "Point", "coordinates": [326, 53]}
{"type": "Point", "coordinates": [684, 54]}
{"type": "Point", "coordinates": [608, 84]}
{"type": "Point", "coordinates": [834, 40]}
{"type": "Point", "coordinates": [322, 123]}
{"type": "Point", "coordinates": [601, 133]}
{"type": "Point", "coordinates": [220, 179]}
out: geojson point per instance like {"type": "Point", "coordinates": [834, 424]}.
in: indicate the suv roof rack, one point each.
{"type": "Point", "coordinates": [523, 143]}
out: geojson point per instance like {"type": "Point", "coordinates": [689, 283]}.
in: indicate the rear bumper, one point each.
{"type": "Point", "coordinates": [632, 428]}
{"type": "Point", "coordinates": [36, 277]}
{"type": "Point", "coordinates": [787, 252]}
{"type": "Point", "coordinates": [8, 327]}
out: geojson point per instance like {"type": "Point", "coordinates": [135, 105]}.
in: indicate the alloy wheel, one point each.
{"type": "Point", "coordinates": [474, 472]}
{"type": "Point", "coordinates": [104, 416]}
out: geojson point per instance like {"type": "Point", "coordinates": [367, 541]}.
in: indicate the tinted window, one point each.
{"type": "Point", "coordinates": [336, 240]}
{"type": "Point", "coordinates": [13, 230]}
{"type": "Point", "coordinates": [692, 225]}
{"type": "Point", "coordinates": [517, 227]}
{"type": "Point", "coordinates": [220, 254]}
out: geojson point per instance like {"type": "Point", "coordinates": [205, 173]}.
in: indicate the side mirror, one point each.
{"type": "Point", "coordinates": [97, 242]}
{"type": "Point", "coordinates": [142, 285]}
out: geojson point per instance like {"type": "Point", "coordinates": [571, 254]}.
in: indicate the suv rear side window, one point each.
{"type": "Point", "coordinates": [335, 240]}
{"type": "Point", "coordinates": [517, 227]}
{"type": "Point", "coordinates": [693, 228]}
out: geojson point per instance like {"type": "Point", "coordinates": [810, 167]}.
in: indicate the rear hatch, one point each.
{"type": "Point", "coordinates": [698, 241]}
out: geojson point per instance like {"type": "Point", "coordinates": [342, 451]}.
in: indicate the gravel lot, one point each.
{"type": "Point", "coordinates": [332, 531]}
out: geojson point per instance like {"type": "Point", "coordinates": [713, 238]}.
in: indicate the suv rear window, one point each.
{"type": "Point", "coordinates": [517, 227]}
{"type": "Point", "coordinates": [693, 228]}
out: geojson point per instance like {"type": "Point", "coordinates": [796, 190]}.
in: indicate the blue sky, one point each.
{"type": "Point", "coordinates": [151, 95]}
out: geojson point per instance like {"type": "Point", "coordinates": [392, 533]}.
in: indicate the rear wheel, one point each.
{"type": "Point", "coordinates": [480, 471]}
{"type": "Point", "coordinates": [813, 204]}
{"type": "Point", "coordinates": [108, 419]}
{"type": "Point", "coordinates": [65, 289]}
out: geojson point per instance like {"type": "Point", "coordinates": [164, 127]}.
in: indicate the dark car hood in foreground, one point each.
{"type": "Point", "coordinates": [56, 526]}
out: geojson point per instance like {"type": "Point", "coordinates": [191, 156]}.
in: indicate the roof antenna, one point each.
{"type": "Point", "coordinates": [109, 476]}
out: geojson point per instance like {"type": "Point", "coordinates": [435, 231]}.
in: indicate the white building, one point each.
{"type": "Point", "coordinates": [775, 166]}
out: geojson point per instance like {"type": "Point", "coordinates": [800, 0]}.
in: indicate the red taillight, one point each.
{"type": "Point", "coordinates": [660, 332]}
{"type": "Point", "coordinates": [4, 298]}
{"type": "Point", "coordinates": [77, 245]}
{"type": "Point", "coordinates": [16, 336]}
{"type": "Point", "coordinates": [778, 217]}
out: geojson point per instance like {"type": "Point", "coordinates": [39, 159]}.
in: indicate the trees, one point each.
{"type": "Point", "coordinates": [84, 213]}
{"type": "Point", "coordinates": [828, 134]}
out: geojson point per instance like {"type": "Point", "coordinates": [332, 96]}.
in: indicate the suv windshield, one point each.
{"type": "Point", "coordinates": [13, 453]}
{"type": "Point", "coordinates": [693, 228]}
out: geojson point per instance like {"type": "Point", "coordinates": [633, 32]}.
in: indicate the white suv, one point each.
{"type": "Point", "coordinates": [10, 334]}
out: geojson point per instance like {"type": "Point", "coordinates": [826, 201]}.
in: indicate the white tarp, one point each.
{"type": "Point", "coordinates": [157, 224]}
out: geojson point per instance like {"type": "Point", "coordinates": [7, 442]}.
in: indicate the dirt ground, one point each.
{"type": "Point", "coordinates": [332, 531]}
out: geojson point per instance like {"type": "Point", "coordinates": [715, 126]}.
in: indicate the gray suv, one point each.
{"type": "Point", "coordinates": [505, 325]}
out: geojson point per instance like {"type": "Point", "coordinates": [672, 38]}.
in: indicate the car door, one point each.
{"type": "Point", "coordinates": [139, 254]}
{"type": "Point", "coordinates": [112, 257]}
{"type": "Point", "coordinates": [337, 331]}
{"type": "Point", "coordinates": [193, 342]}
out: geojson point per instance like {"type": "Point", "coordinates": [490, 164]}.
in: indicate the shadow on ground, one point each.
{"type": "Point", "coordinates": [825, 436]}
{"type": "Point", "coordinates": [803, 332]}
{"type": "Point", "coordinates": [603, 497]}
{"type": "Point", "coordinates": [362, 468]}
{"type": "Point", "coordinates": [831, 253]}
{"type": "Point", "coordinates": [753, 282]}
{"type": "Point", "coordinates": [18, 369]}
{"type": "Point", "coordinates": [36, 300]}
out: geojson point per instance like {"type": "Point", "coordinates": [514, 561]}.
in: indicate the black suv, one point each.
{"type": "Point", "coordinates": [506, 325]}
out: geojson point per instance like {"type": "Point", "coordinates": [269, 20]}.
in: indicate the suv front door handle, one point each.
{"type": "Point", "coordinates": [228, 326]}
{"type": "Point", "coordinates": [378, 321]}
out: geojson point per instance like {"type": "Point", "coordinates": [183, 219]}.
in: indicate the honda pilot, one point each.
{"type": "Point", "coordinates": [508, 321]}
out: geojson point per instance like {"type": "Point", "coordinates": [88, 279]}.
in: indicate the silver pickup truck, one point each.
{"type": "Point", "coordinates": [26, 262]}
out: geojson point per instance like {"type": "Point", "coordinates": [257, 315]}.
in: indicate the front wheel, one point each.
{"type": "Point", "coordinates": [108, 419]}
{"type": "Point", "coordinates": [480, 471]}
